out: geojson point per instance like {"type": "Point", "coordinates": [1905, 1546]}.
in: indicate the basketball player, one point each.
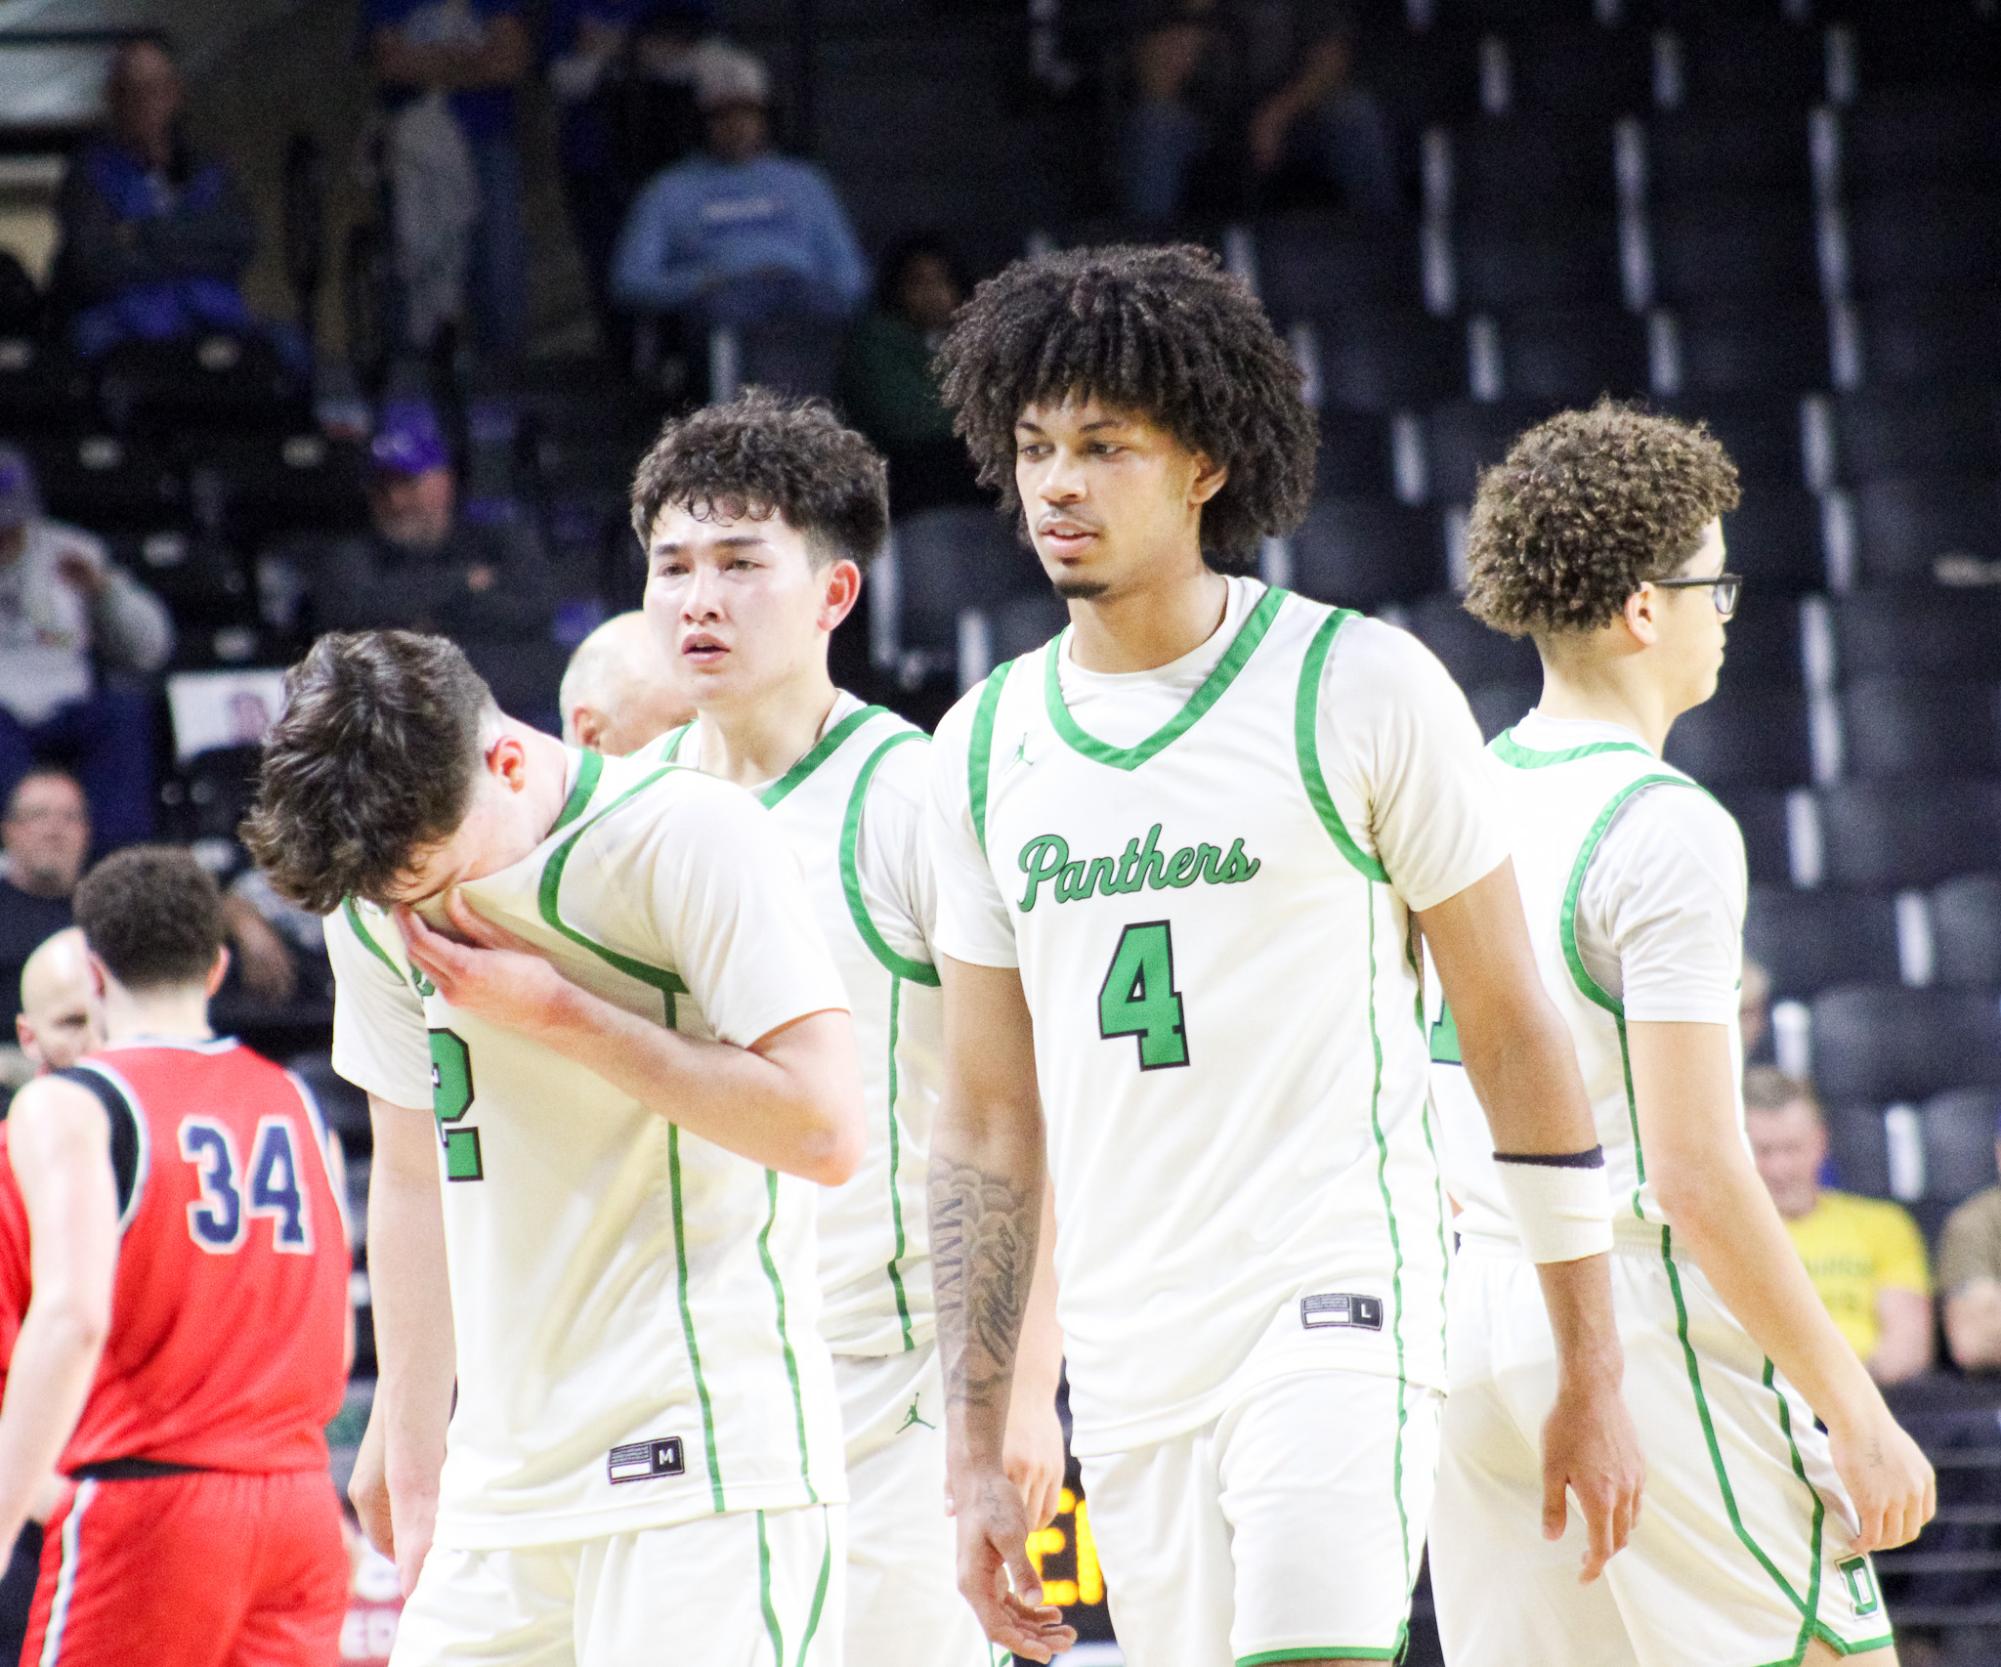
{"type": "Point", "coordinates": [1600, 538]}
{"type": "Point", "coordinates": [57, 1025]}
{"type": "Point", "coordinates": [613, 697]}
{"type": "Point", "coordinates": [182, 1349]}
{"type": "Point", "coordinates": [644, 1458]}
{"type": "Point", "coordinates": [758, 518]}
{"type": "Point", "coordinates": [1182, 851]}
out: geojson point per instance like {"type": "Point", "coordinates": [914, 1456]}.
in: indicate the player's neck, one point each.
{"type": "Point", "coordinates": [751, 742]}
{"type": "Point", "coordinates": [1607, 694]}
{"type": "Point", "coordinates": [1152, 625]}
{"type": "Point", "coordinates": [548, 781]}
{"type": "Point", "coordinates": [170, 1015]}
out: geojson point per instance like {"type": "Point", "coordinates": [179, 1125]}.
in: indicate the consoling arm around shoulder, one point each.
{"type": "Point", "coordinates": [59, 1142]}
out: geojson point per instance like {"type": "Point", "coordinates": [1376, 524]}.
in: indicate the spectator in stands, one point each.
{"type": "Point", "coordinates": [469, 56]}
{"type": "Point", "coordinates": [59, 1021]}
{"type": "Point", "coordinates": [67, 615]}
{"type": "Point", "coordinates": [1754, 1013]}
{"type": "Point", "coordinates": [45, 836]}
{"type": "Point", "coordinates": [739, 234]}
{"type": "Point", "coordinates": [423, 568]}
{"type": "Point", "coordinates": [1969, 1278]}
{"type": "Point", "coordinates": [155, 236]}
{"type": "Point", "coordinates": [887, 388]}
{"type": "Point", "coordinates": [616, 695]}
{"type": "Point", "coordinates": [1865, 1255]}
{"type": "Point", "coordinates": [1248, 100]}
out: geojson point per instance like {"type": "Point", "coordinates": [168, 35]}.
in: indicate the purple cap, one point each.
{"type": "Point", "coordinates": [19, 501]}
{"type": "Point", "coordinates": [408, 441]}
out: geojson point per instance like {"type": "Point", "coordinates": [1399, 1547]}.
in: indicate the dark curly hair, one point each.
{"type": "Point", "coordinates": [372, 764]}
{"type": "Point", "coordinates": [1160, 331]}
{"type": "Point", "coordinates": [1586, 507]}
{"type": "Point", "coordinates": [761, 455]}
{"type": "Point", "coordinates": [153, 916]}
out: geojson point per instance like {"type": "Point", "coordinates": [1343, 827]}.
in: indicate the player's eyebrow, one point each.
{"type": "Point", "coordinates": [729, 541]}
{"type": "Point", "coordinates": [1023, 425]}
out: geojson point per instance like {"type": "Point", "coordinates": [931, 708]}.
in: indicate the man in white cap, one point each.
{"type": "Point", "coordinates": [739, 234]}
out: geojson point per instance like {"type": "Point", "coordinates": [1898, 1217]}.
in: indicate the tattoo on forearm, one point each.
{"type": "Point", "coordinates": [983, 1233]}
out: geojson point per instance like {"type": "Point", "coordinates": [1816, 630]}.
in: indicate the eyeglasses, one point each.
{"type": "Point", "coordinates": [1723, 589]}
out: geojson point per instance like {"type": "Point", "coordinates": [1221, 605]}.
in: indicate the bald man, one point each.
{"type": "Point", "coordinates": [615, 694]}
{"type": "Point", "coordinates": [57, 1023]}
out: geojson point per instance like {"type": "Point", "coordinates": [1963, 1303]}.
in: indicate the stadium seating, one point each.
{"type": "Point", "coordinates": [1877, 1044]}
{"type": "Point", "coordinates": [1892, 834]}
{"type": "Point", "coordinates": [1749, 742]}
{"type": "Point", "coordinates": [1921, 731]}
{"type": "Point", "coordinates": [1572, 355]}
{"type": "Point", "coordinates": [1906, 525]}
{"type": "Point", "coordinates": [1966, 930]}
{"type": "Point", "coordinates": [1811, 941]}
{"type": "Point", "coordinates": [1952, 636]}
{"type": "Point", "coordinates": [1384, 359]}
{"type": "Point", "coordinates": [1365, 552]}
{"type": "Point", "coordinates": [1471, 652]}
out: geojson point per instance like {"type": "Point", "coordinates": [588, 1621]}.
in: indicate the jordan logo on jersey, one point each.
{"type": "Point", "coordinates": [1045, 859]}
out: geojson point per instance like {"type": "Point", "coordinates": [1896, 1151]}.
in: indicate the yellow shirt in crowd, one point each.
{"type": "Point", "coordinates": [1854, 1247]}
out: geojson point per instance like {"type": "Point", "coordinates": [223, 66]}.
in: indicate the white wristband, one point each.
{"type": "Point", "coordinates": [1563, 1212]}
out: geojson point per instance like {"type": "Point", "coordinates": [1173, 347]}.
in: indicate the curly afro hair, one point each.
{"type": "Point", "coordinates": [1584, 509]}
{"type": "Point", "coordinates": [762, 455]}
{"type": "Point", "coordinates": [1159, 331]}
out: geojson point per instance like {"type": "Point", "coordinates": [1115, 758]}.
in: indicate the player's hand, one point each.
{"type": "Point", "coordinates": [1590, 1448]}
{"type": "Point", "coordinates": [491, 972]}
{"type": "Point", "coordinates": [368, 1492]}
{"type": "Point", "coordinates": [1890, 1482]}
{"type": "Point", "coordinates": [1033, 1454]}
{"type": "Point", "coordinates": [995, 1575]}
{"type": "Point", "coordinates": [416, 1521]}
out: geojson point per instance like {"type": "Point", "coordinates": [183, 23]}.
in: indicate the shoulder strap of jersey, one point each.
{"type": "Point", "coordinates": [822, 750]}
{"type": "Point", "coordinates": [1306, 742]}
{"type": "Point", "coordinates": [669, 745]}
{"type": "Point", "coordinates": [1513, 753]}
{"type": "Point", "coordinates": [128, 1131]}
{"type": "Point", "coordinates": [917, 972]}
{"type": "Point", "coordinates": [980, 753]}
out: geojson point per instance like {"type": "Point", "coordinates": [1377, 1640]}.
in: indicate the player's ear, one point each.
{"type": "Point", "coordinates": [218, 972]}
{"type": "Point", "coordinates": [1641, 619]}
{"type": "Point", "coordinates": [98, 976]}
{"type": "Point", "coordinates": [508, 759]}
{"type": "Point", "coordinates": [840, 589]}
{"type": "Point", "coordinates": [587, 726]}
{"type": "Point", "coordinates": [1210, 478]}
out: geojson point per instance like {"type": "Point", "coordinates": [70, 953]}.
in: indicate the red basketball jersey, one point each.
{"type": "Point", "coordinates": [229, 1312]}
{"type": "Point", "coordinates": [13, 1260]}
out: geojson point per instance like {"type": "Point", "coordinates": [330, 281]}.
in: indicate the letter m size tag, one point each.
{"type": "Point", "coordinates": [642, 1461]}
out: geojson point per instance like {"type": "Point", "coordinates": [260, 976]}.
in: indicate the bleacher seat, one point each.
{"type": "Point", "coordinates": [1365, 552]}
{"type": "Point", "coordinates": [1732, 245]}
{"type": "Point", "coordinates": [1579, 72]}
{"type": "Point", "coordinates": [1762, 644]}
{"type": "Point", "coordinates": [1858, 1149]}
{"type": "Point", "coordinates": [1920, 136]}
{"type": "Point", "coordinates": [1354, 455]}
{"type": "Point", "coordinates": [1887, 835]}
{"type": "Point", "coordinates": [1912, 44]}
{"type": "Point", "coordinates": [1723, 58]}
{"type": "Point", "coordinates": [1571, 355]}
{"type": "Point", "coordinates": [1811, 941]}
{"type": "Point", "coordinates": [42, 390]}
{"type": "Point", "coordinates": [1763, 432]}
{"type": "Point", "coordinates": [1502, 266]}
{"type": "Point", "coordinates": [1905, 240]}
{"type": "Point", "coordinates": [1755, 742]}
{"type": "Point", "coordinates": [1472, 652]}
{"type": "Point", "coordinates": [1499, 706]}
{"type": "Point", "coordinates": [208, 797]}
{"type": "Point", "coordinates": [107, 484]}
{"type": "Point", "coordinates": [203, 580]}
{"type": "Point", "coordinates": [951, 560]}
{"type": "Point", "coordinates": [1387, 359]}
{"type": "Point", "coordinates": [1926, 337]}
{"type": "Point", "coordinates": [1917, 431]}
{"type": "Point", "coordinates": [1879, 1044]}
{"type": "Point", "coordinates": [1024, 622]}
{"type": "Point", "coordinates": [1426, 76]}
{"type": "Point", "coordinates": [1959, 1134]}
{"type": "Point", "coordinates": [1748, 148]}
{"type": "Point", "coordinates": [1774, 538]}
{"type": "Point", "coordinates": [1322, 268]}
{"type": "Point", "coordinates": [218, 382]}
{"type": "Point", "coordinates": [1467, 436]}
{"type": "Point", "coordinates": [1764, 818]}
{"type": "Point", "coordinates": [1966, 930]}
{"type": "Point", "coordinates": [1727, 345]}
{"type": "Point", "coordinates": [1907, 729]}
{"type": "Point", "coordinates": [273, 484]}
{"type": "Point", "coordinates": [1953, 636]}
{"type": "Point", "coordinates": [789, 356]}
{"type": "Point", "coordinates": [1907, 524]}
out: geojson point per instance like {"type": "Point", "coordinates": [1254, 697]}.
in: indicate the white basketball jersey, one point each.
{"type": "Point", "coordinates": [875, 1259]}
{"type": "Point", "coordinates": [1557, 808]}
{"type": "Point", "coordinates": [1228, 1034]}
{"type": "Point", "coordinates": [635, 1308]}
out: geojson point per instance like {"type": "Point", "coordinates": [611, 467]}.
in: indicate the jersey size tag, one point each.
{"type": "Point", "coordinates": [641, 1461]}
{"type": "Point", "coordinates": [1340, 1308]}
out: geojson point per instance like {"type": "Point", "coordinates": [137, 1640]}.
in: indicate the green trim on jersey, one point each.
{"type": "Point", "coordinates": [822, 750]}
{"type": "Point", "coordinates": [1306, 741]}
{"type": "Point", "coordinates": [899, 966]}
{"type": "Point", "coordinates": [688, 1316]}
{"type": "Point", "coordinates": [1509, 751]}
{"type": "Point", "coordinates": [979, 751]}
{"type": "Point", "coordinates": [1396, 1244]}
{"type": "Point", "coordinates": [347, 907]}
{"type": "Point", "coordinates": [1235, 657]}
{"type": "Point", "coordinates": [784, 1336]}
{"type": "Point", "coordinates": [589, 767]}
{"type": "Point", "coordinates": [902, 1244]}
{"type": "Point", "coordinates": [819, 1590]}
{"type": "Point", "coordinates": [1330, 1652]}
{"type": "Point", "coordinates": [772, 1629]}
{"type": "Point", "coordinates": [670, 743]}
{"type": "Point", "coordinates": [1809, 1607]}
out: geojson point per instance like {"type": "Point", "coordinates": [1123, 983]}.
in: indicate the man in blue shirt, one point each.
{"type": "Point", "coordinates": [739, 235]}
{"type": "Point", "coordinates": [476, 52]}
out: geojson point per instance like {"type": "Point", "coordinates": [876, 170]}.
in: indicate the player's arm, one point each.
{"type": "Point", "coordinates": [1521, 1066]}
{"type": "Point", "coordinates": [790, 1100]}
{"type": "Point", "coordinates": [1725, 1220]}
{"type": "Point", "coordinates": [59, 1141]}
{"type": "Point", "coordinates": [415, 1348]}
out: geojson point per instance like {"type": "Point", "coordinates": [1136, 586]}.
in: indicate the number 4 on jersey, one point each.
{"type": "Point", "coordinates": [1139, 999]}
